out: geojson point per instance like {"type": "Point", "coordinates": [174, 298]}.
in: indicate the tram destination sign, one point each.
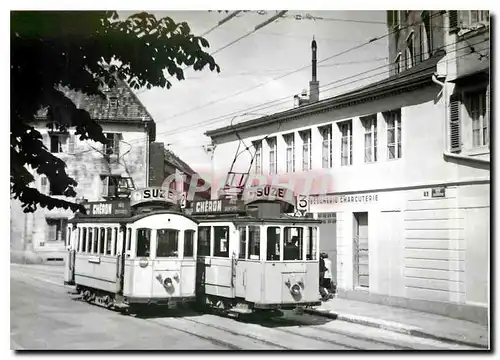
{"type": "Point", "coordinates": [116, 208]}
{"type": "Point", "coordinates": [217, 206]}
{"type": "Point", "coordinates": [270, 193]}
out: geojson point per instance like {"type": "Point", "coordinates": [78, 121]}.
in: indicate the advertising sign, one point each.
{"type": "Point", "coordinates": [217, 206]}
{"type": "Point", "coordinates": [115, 208]}
{"type": "Point", "coordinates": [152, 194]}
{"type": "Point", "coordinates": [270, 193]}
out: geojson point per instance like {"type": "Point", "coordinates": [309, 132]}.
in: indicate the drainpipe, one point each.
{"type": "Point", "coordinates": [447, 153]}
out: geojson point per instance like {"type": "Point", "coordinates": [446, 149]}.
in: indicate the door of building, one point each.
{"type": "Point", "coordinates": [328, 239]}
{"type": "Point", "coordinates": [360, 245]}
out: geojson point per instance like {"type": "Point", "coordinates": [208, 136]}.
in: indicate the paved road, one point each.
{"type": "Point", "coordinates": [45, 316]}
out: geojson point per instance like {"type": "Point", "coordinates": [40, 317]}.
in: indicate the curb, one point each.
{"type": "Point", "coordinates": [393, 326]}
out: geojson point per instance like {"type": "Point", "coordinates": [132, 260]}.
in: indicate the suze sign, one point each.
{"type": "Point", "coordinates": [152, 194]}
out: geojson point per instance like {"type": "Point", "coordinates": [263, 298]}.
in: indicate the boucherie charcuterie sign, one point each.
{"type": "Point", "coordinates": [269, 193]}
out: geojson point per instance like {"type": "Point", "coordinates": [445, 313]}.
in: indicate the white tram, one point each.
{"type": "Point", "coordinates": [253, 257]}
{"type": "Point", "coordinates": [132, 252]}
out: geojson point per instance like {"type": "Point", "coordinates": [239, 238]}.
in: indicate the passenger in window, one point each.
{"type": "Point", "coordinates": [292, 251]}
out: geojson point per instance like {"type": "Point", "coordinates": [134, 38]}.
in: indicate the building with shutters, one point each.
{"type": "Point", "coordinates": [397, 170]}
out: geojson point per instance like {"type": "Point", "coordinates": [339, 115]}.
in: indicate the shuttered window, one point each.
{"type": "Point", "coordinates": [455, 128]}
{"type": "Point", "coordinates": [56, 229]}
{"type": "Point", "coordinates": [112, 147]}
{"type": "Point", "coordinates": [453, 17]}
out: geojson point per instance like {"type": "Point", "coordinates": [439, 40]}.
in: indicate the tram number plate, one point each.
{"type": "Point", "coordinates": [302, 203]}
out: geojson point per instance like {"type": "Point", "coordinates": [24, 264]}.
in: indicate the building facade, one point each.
{"type": "Point", "coordinates": [101, 171]}
{"type": "Point", "coordinates": [399, 172]}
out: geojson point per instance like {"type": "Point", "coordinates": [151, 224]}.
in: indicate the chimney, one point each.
{"type": "Point", "coordinates": [314, 83]}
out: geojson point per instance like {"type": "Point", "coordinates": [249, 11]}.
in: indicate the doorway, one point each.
{"type": "Point", "coordinates": [328, 241]}
{"type": "Point", "coordinates": [361, 251]}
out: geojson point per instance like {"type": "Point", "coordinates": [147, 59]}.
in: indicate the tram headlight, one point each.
{"type": "Point", "coordinates": [143, 262]}
{"type": "Point", "coordinates": [295, 289]}
{"type": "Point", "coordinates": [168, 282]}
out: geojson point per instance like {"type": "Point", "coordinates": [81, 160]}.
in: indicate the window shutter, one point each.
{"type": "Point", "coordinates": [453, 16]}
{"type": "Point", "coordinates": [71, 144]}
{"type": "Point", "coordinates": [455, 128]}
{"type": "Point", "coordinates": [116, 144]}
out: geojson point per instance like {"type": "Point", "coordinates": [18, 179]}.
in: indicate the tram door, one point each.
{"type": "Point", "coordinates": [120, 259]}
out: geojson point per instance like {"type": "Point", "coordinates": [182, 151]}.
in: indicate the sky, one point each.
{"type": "Point", "coordinates": [191, 107]}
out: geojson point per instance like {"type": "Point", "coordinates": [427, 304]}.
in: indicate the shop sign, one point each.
{"type": "Point", "coordinates": [217, 206]}
{"type": "Point", "coordinates": [341, 199]}
{"type": "Point", "coordinates": [152, 194]}
{"type": "Point", "coordinates": [116, 208]}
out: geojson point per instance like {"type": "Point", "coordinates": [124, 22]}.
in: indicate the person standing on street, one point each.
{"type": "Point", "coordinates": [327, 282]}
{"type": "Point", "coordinates": [322, 269]}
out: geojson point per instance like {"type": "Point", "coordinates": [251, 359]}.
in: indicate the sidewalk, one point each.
{"type": "Point", "coordinates": [405, 321]}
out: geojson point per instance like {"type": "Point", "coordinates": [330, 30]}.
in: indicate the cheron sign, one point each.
{"type": "Point", "coordinates": [340, 199]}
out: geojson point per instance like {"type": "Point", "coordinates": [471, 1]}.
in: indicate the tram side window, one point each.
{"type": "Point", "coordinates": [89, 240]}
{"type": "Point", "coordinates": [129, 239]}
{"type": "Point", "coordinates": [102, 239]}
{"type": "Point", "coordinates": [115, 241]}
{"type": "Point", "coordinates": [83, 243]}
{"type": "Point", "coordinates": [221, 241]}
{"type": "Point", "coordinates": [167, 243]}
{"type": "Point", "coordinates": [78, 239]}
{"type": "Point", "coordinates": [204, 240]}
{"type": "Point", "coordinates": [68, 243]}
{"type": "Point", "coordinates": [254, 242]}
{"type": "Point", "coordinates": [143, 242]}
{"type": "Point", "coordinates": [188, 243]}
{"type": "Point", "coordinates": [311, 242]}
{"type": "Point", "coordinates": [108, 241]}
{"type": "Point", "coordinates": [243, 242]}
{"type": "Point", "coordinates": [293, 243]}
{"type": "Point", "coordinates": [273, 243]}
{"type": "Point", "coordinates": [95, 248]}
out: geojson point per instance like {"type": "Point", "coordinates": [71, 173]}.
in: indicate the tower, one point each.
{"type": "Point", "coordinates": [314, 83]}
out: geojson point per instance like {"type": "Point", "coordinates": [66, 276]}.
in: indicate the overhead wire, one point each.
{"type": "Point", "coordinates": [291, 72]}
{"type": "Point", "coordinates": [287, 98]}
{"type": "Point", "coordinates": [281, 100]}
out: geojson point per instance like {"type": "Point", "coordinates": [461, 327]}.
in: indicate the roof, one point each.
{"type": "Point", "coordinates": [176, 162]}
{"type": "Point", "coordinates": [129, 108]}
{"type": "Point", "coordinates": [419, 75]}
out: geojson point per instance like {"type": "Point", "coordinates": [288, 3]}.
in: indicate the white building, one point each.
{"type": "Point", "coordinates": [400, 174]}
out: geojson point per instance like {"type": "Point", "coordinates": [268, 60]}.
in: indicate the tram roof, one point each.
{"type": "Point", "coordinates": [250, 219]}
{"type": "Point", "coordinates": [128, 219]}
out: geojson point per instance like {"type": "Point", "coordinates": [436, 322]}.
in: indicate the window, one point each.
{"type": "Point", "coordinates": [83, 240]}
{"type": "Point", "coordinates": [258, 156]}
{"type": "Point", "coordinates": [102, 239]}
{"type": "Point", "coordinates": [306, 150]}
{"type": "Point", "coordinates": [293, 243]}
{"type": "Point", "coordinates": [188, 243]}
{"type": "Point", "coordinates": [109, 236]}
{"type": "Point", "coordinates": [57, 141]}
{"type": "Point", "coordinates": [273, 243]}
{"type": "Point", "coordinates": [221, 241]}
{"type": "Point", "coordinates": [475, 103]}
{"type": "Point", "coordinates": [346, 146]}
{"type": "Point", "coordinates": [129, 239]}
{"type": "Point", "coordinates": [370, 125]}
{"type": "Point", "coordinates": [290, 152]}
{"type": "Point", "coordinates": [167, 243]}
{"type": "Point", "coordinates": [56, 229]}
{"type": "Point", "coordinates": [327, 150]}
{"type": "Point", "coordinates": [397, 64]}
{"type": "Point", "coordinates": [67, 240]}
{"type": "Point", "coordinates": [204, 240]}
{"type": "Point", "coordinates": [393, 120]}
{"type": "Point", "coordinates": [55, 188]}
{"type": "Point", "coordinates": [409, 51]}
{"type": "Point", "coordinates": [89, 240]}
{"type": "Point", "coordinates": [95, 241]}
{"type": "Point", "coordinates": [273, 165]}
{"type": "Point", "coordinates": [43, 184]}
{"type": "Point", "coordinates": [143, 243]}
{"type": "Point", "coordinates": [113, 101]}
{"type": "Point", "coordinates": [254, 242]}
{"type": "Point", "coordinates": [112, 146]}
{"type": "Point", "coordinates": [243, 242]}
{"type": "Point", "coordinates": [115, 186]}
{"type": "Point", "coordinates": [115, 242]}
{"type": "Point", "coordinates": [474, 17]}
{"type": "Point", "coordinates": [311, 243]}
{"type": "Point", "coordinates": [427, 34]}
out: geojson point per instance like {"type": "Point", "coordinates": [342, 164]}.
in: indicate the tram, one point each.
{"type": "Point", "coordinates": [254, 256]}
{"type": "Point", "coordinates": [135, 252]}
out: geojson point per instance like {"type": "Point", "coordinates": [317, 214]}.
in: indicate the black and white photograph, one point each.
{"type": "Point", "coordinates": [200, 180]}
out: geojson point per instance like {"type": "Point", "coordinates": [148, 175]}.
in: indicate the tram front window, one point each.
{"type": "Point", "coordinates": [293, 243]}
{"type": "Point", "coordinates": [254, 242]}
{"type": "Point", "coordinates": [273, 243]}
{"type": "Point", "coordinates": [221, 241]}
{"type": "Point", "coordinates": [143, 242]}
{"type": "Point", "coordinates": [167, 242]}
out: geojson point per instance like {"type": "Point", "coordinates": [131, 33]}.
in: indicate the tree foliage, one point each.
{"type": "Point", "coordinates": [82, 51]}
